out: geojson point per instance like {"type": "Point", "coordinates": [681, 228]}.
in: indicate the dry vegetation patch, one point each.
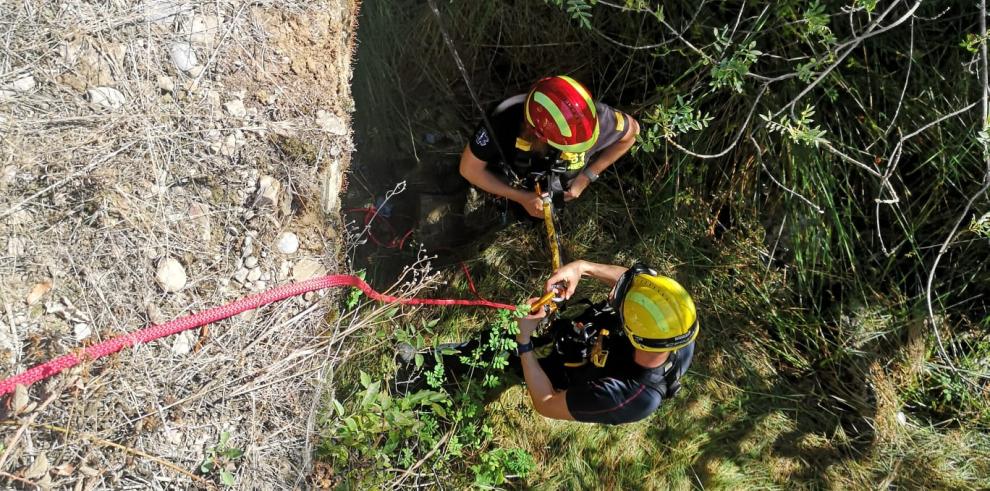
{"type": "Point", "coordinates": [143, 179]}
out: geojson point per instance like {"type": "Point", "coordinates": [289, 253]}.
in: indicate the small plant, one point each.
{"type": "Point", "coordinates": [355, 294]}
{"type": "Point", "coordinates": [800, 130]}
{"type": "Point", "coordinates": [439, 429]}
{"type": "Point", "coordinates": [500, 464]}
{"type": "Point", "coordinates": [729, 72]}
{"type": "Point", "coordinates": [817, 21]}
{"type": "Point", "coordinates": [579, 10]}
{"type": "Point", "coordinates": [972, 42]}
{"type": "Point", "coordinates": [222, 458]}
{"type": "Point", "coordinates": [981, 226]}
{"type": "Point", "coordinates": [663, 122]}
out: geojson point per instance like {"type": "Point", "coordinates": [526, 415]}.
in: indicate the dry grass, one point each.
{"type": "Point", "coordinates": [92, 197]}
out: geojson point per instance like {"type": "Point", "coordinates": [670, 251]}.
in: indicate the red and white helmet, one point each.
{"type": "Point", "coordinates": [561, 112]}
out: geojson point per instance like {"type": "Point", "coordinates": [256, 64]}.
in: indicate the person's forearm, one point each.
{"type": "Point", "coordinates": [606, 273]}
{"type": "Point", "coordinates": [610, 155]}
{"type": "Point", "coordinates": [537, 382]}
{"type": "Point", "coordinates": [489, 183]}
{"type": "Point", "coordinates": [617, 149]}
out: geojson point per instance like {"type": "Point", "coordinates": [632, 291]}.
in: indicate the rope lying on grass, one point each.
{"type": "Point", "coordinates": [52, 367]}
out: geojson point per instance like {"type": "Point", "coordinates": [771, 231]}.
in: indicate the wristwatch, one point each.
{"type": "Point", "coordinates": [524, 347]}
{"type": "Point", "coordinates": [590, 174]}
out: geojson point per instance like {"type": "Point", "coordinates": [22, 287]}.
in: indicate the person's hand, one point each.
{"type": "Point", "coordinates": [578, 186]}
{"type": "Point", "coordinates": [568, 276]}
{"type": "Point", "coordinates": [529, 324]}
{"type": "Point", "coordinates": [533, 204]}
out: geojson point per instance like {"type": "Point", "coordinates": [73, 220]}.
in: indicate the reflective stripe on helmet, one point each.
{"type": "Point", "coordinates": [558, 117]}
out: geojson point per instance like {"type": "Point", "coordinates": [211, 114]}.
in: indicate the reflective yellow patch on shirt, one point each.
{"type": "Point", "coordinates": [620, 121]}
{"type": "Point", "coordinates": [523, 145]}
{"type": "Point", "coordinates": [574, 161]}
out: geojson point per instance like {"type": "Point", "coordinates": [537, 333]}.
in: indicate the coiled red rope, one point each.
{"type": "Point", "coordinates": [45, 370]}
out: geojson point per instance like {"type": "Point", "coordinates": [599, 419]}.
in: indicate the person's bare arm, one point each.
{"type": "Point", "coordinates": [571, 273]}
{"type": "Point", "coordinates": [605, 159]}
{"type": "Point", "coordinates": [474, 170]}
{"type": "Point", "coordinates": [546, 401]}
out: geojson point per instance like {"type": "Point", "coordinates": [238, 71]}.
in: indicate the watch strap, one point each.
{"type": "Point", "coordinates": [590, 174]}
{"type": "Point", "coordinates": [524, 347]}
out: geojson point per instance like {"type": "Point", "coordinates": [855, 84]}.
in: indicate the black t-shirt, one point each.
{"type": "Point", "coordinates": [502, 143]}
{"type": "Point", "coordinates": [615, 393]}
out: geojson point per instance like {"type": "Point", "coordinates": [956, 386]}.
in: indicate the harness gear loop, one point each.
{"type": "Point", "coordinates": [598, 355]}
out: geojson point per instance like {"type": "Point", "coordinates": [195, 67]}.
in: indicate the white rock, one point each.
{"type": "Point", "coordinates": [16, 246]}
{"type": "Point", "coordinates": [251, 262]}
{"type": "Point", "coordinates": [288, 243]}
{"type": "Point", "coordinates": [203, 29]}
{"type": "Point", "coordinates": [183, 343]}
{"type": "Point", "coordinates": [82, 331]}
{"type": "Point", "coordinates": [306, 269]}
{"type": "Point", "coordinates": [228, 147]}
{"type": "Point", "coordinates": [23, 84]}
{"type": "Point", "coordinates": [155, 315]}
{"type": "Point", "coordinates": [162, 10]}
{"type": "Point", "coordinates": [166, 84]}
{"type": "Point", "coordinates": [106, 97]}
{"type": "Point", "coordinates": [330, 123]}
{"type": "Point", "coordinates": [260, 285]}
{"type": "Point", "coordinates": [901, 418]}
{"type": "Point", "coordinates": [241, 275]}
{"type": "Point", "coordinates": [254, 275]}
{"type": "Point", "coordinates": [171, 275]}
{"type": "Point", "coordinates": [183, 56]}
{"type": "Point", "coordinates": [235, 108]}
{"type": "Point", "coordinates": [248, 241]}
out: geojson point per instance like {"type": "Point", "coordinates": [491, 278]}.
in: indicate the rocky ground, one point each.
{"type": "Point", "coordinates": [158, 158]}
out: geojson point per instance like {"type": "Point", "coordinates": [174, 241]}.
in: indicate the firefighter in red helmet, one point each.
{"type": "Point", "coordinates": [555, 131]}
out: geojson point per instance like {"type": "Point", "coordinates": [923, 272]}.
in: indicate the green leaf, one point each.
{"type": "Point", "coordinates": [365, 379]}
{"type": "Point", "coordinates": [226, 478]}
{"type": "Point", "coordinates": [419, 360]}
{"type": "Point", "coordinates": [338, 407]}
{"type": "Point", "coordinates": [233, 453]}
{"type": "Point", "coordinates": [224, 438]}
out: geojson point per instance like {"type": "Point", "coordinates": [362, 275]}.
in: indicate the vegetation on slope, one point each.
{"type": "Point", "coordinates": [815, 173]}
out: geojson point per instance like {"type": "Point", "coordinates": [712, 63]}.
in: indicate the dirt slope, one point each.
{"type": "Point", "coordinates": [157, 158]}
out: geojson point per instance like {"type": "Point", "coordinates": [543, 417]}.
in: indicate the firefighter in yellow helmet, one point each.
{"type": "Point", "coordinates": [618, 360]}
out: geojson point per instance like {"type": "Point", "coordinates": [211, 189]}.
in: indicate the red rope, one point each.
{"type": "Point", "coordinates": [210, 316]}
{"type": "Point", "coordinates": [370, 213]}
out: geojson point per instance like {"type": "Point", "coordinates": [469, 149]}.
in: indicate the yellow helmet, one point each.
{"type": "Point", "coordinates": [657, 313]}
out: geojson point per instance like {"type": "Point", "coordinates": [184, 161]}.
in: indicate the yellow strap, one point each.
{"type": "Point", "coordinates": [523, 145]}
{"type": "Point", "coordinates": [620, 121]}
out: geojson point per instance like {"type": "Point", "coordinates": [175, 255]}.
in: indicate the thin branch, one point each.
{"type": "Point", "coordinates": [828, 146]}
{"type": "Point", "coordinates": [907, 77]}
{"type": "Point", "coordinates": [852, 44]}
{"type": "Point", "coordinates": [735, 141]}
{"type": "Point", "coordinates": [938, 258]}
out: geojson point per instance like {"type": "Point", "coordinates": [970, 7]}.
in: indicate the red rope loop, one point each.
{"type": "Point", "coordinates": [209, 316]}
